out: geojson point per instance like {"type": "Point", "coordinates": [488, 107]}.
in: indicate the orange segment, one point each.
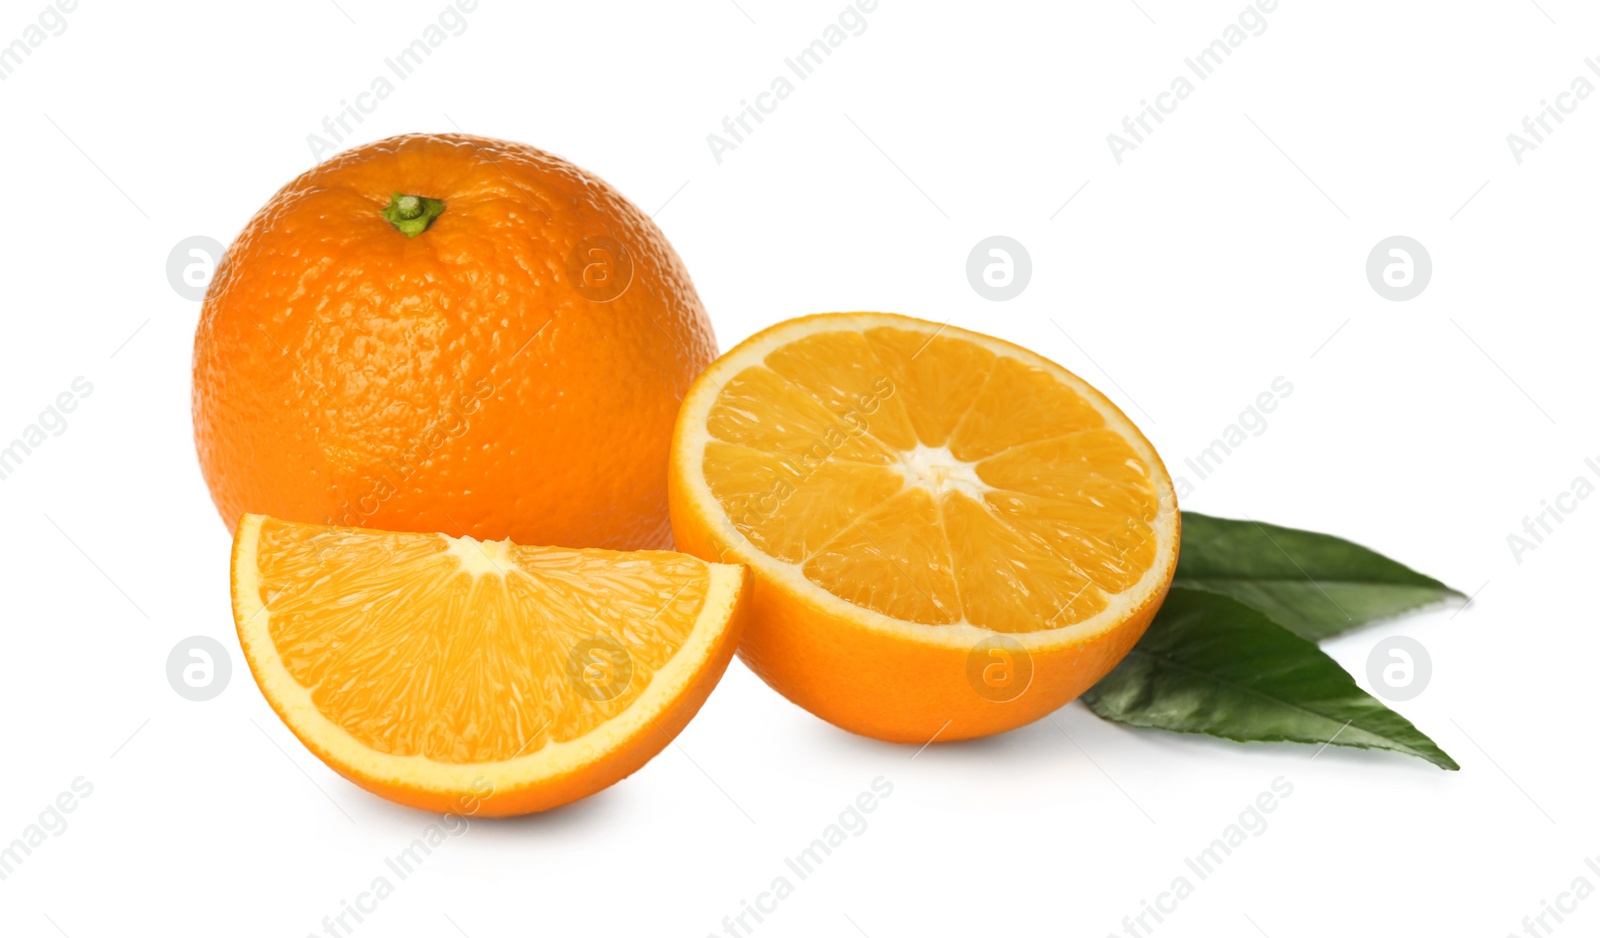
{"type": "Point", "coordinates": [429, 668]}
{"type": "Point", "coordinates": [837, 369]}
{"type": "Point", "coordinates": [892, 560]}
{"type": "Point", "coordinates": [793, 506]}
{"type": "Point", "coordinates": [938, 377]}
{"type": "Point", "coordinates": [1113, 552]}
{"type": "Point", "coordinates": [761, 409]}
{"type": "Point", "coordinates": [1009, 581]}
{"type": "Point", "coordinates": [1020, 404]}
{"type": "Point", "coordinates": [963, 488]}
{"type": "Point", "coordinates": [1094, 469]}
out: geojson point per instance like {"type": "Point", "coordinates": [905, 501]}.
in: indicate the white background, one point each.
{"type": "Point", "coordinates": [1224, 252]}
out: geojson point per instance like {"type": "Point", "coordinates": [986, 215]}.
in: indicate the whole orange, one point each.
{"type": "Point", "coordinates": [449, 333]}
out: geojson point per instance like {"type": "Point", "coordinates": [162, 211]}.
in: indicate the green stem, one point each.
{"type": "Point", "coordinates": [411, 214]}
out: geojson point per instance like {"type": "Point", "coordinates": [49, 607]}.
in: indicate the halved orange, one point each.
{"type": "Point", "coordinates": [479, 676]}
{"type": "Point", "coordinates": [951, 536]}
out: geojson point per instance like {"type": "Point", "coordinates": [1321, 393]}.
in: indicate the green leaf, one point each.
{"type": "Point", "coordinates": [1209, 664]}
{"type": "Point", "coordinates": [1316, 585]}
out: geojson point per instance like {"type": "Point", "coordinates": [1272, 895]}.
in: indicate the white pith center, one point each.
{"type": "Point", "coordinates": [481, 557]}
{"type": "Point", "coordinates": [934, 468]}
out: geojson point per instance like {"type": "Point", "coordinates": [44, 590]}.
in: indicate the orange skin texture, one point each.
{"type": "Point", "coordinates": [880, 685]}
{"type": "Point", "coordinates": [457, 381]}
{"type": "Point", "coordinates": [605, 771]}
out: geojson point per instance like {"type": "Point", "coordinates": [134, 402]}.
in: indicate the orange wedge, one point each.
{"type": "Point", "coordinates": [478, 676]}
{"type": "Point", "coordinates": [951, 536]}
